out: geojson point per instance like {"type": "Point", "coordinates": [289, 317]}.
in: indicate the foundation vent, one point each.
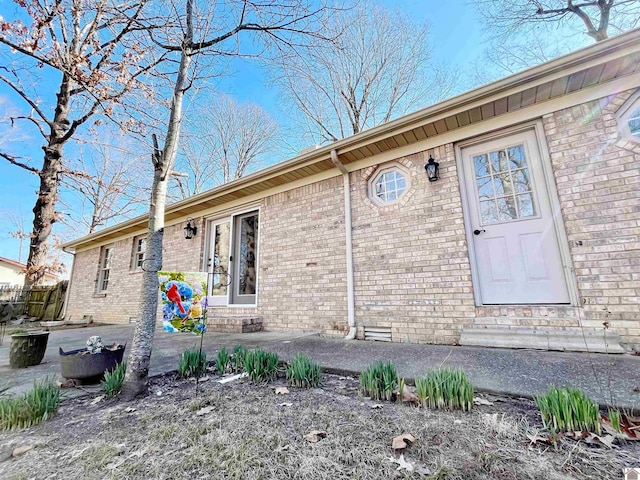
{"type": "Point", "coordinates": [380, 334]}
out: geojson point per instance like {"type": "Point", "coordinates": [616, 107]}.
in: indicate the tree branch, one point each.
{"type": "Point", "coordinates": [26, 98]}
{"type": "Point", "coordinates": [14, 161]}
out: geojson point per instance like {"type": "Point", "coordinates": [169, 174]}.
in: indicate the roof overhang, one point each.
{"type": "Point", "coordinates": [595, 65]}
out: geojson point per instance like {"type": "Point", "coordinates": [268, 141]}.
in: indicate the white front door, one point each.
{"type": "Point", "coordinates": [514, 238]}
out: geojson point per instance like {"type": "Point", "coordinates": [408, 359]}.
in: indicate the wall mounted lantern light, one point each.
{"type": "Point", "coordinates": [433, 172]}
{"type": "Point", "coordinates": [190, 230]}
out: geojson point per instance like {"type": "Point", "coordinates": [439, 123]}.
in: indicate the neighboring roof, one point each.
{"type": "Point", "coordinates": [23, 266]}
{"type": "Point", "coordinates": [597, 64]}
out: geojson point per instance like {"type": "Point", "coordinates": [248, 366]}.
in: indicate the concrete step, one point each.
{"type": "Point", "coordinates": [570, 339]}
{"type": "Point", "coordinates": [234, 323]}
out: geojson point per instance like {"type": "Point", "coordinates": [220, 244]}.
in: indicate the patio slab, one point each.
{"type": "Point", "coordinates": [608, 379]}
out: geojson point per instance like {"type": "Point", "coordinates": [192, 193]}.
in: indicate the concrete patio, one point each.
{"type": "Point", "coordinates": [608, 379]}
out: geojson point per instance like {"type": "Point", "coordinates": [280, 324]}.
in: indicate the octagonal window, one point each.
{"type": "Point", "coordinates": [629, 118]}
{"type": "Point", "coordinates": [389, 185]}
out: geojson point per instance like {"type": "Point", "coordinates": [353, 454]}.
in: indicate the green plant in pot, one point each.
{"type": "Point", "coordinates": [27, 348]}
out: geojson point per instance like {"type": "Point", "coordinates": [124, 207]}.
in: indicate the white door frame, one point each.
{"type": "Point", "coordinates": [554, 200]}
{"type": "Point", "coordinates": [229, 216]}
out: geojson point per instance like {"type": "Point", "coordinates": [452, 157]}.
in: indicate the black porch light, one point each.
{"type": "Point", "coordinates": [190, 230]}
{"type": "Point", "coordinates": [433, 172]}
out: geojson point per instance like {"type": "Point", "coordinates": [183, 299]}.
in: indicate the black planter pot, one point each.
{"type": "Point", "coordinates": [27, 349]}
{"type": "Point", "coordinates": [89, 367]}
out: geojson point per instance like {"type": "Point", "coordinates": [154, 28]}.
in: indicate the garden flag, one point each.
{"type": "Point", "coordinates": [184, 301]}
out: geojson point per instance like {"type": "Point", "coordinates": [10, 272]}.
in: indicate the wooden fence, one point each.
{"type": "Point", "coordinates": [42, 302]}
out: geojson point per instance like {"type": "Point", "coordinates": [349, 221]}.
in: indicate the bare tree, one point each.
{"type": "Point", "coordinates": [107, 187]}
{"type": "Point", "coordinates": [596, 17]}
{"type": "Point", "coordinates": [14, 225]}
{"type": "Point", "coordinates": [78, 43]}
{"type": "Point", "coordinates": [282, 25]}
{"type": "Point", "coordinates": [375, 71]}
{"type": "Point", "coordinates": [224, 140]}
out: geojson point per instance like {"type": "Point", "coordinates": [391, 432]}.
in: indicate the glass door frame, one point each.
{"type": "Point", "coordinates": [236, 298]}
{"type": "Point", "coordinates": [227, 299]}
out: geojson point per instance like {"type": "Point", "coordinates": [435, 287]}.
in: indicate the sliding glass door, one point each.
{"type": "Point", "coordinates": [233, 259]}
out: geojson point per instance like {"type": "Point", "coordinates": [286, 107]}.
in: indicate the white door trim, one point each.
{"type": "Point", "coordinates": [229, 216]}
{"type": "Point", "coordinates": [558, 221]}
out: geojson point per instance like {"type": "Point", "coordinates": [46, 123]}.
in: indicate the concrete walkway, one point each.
{"type": "Point", "coordinates": [608, 379]}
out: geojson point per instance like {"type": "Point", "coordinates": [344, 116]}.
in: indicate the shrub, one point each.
{"type": "Point", "coordinates": [239, 352]}
{"type": "Point", "coordinates": [260, 365]}
{"type": "Point", "coordinates": [223, 361]}
{"type": "Point", "coordinates": [379, 381]}
{"type": "Point", "coordinates": [568, 409]}
{"type": "Point", "coordinates": [38, 404]}
{"type": "Point", "coordinates": [112, 382]}
{"type": "Point", "coordinates": [302, 372]}
{"type": "Point", "coordinates": [445, 388]}
{"type": "Point", "coordinates": [192, 363]}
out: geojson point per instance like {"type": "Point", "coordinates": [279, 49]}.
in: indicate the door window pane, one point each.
{"type": "Point", "coordinates": [521, 181]}
{"type": "Point", "coordinates": [248, 253]}
{"type": "Point", "coordinates": [220, 260]}
{"type": "Point", "coordinates": [503, 183]}
{"type": "Point", "coordinates": [507, 209]}
{"type": "Point", "coordinates": [498, 161]}
{"type": "Point", "coordinates": [488, 211]}
{"type": "Point", "coordinates": [525, 205]}
{"type": "Point", "coordinates": [481, 165]}
{"type": "Point", "coordinates": [516, 157]}
{"type": "Point", "coordinates": [485, 188]}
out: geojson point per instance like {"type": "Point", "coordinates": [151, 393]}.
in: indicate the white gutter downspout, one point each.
{"type": "Point", "coordinates": [351, 308]}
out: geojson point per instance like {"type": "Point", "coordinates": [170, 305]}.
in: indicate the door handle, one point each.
{"type": "Point", "coordinates": [478, 232]}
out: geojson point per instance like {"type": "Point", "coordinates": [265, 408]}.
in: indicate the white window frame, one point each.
{"type": "Point", "coordinates": [393, 167]}
{"type": "Point", "coordinates": [137, 255]}
{"type": "Point", "coordinates": [626, 113]}
{"type": "Point", "coordinates": [104, 268]}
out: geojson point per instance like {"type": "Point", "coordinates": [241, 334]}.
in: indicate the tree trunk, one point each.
{"type": "Point", "coordinates": [136, 378]}
{"type": "Point", "coordinates": [45, 209]}
{"type": "Point", "coordinates": [140, 353]}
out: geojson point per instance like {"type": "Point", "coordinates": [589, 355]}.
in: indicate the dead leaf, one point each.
{"type": "Point", "coordinates": [605, 440]}
{"type": "Point", "coordinates": [481, 401]}
{"type": "Point", "coordinates": [282, 390]}
{"type": "Point", "coordinates": [283, 448]}
{"type": "Point", "coordinates": [409, 397]}
{"type": "Point", "coordinates": [402, 464]}
{"type": "Point", "coordinates": [286, 404]}
{"type": "Point", "coordinates": [20, 450]}
{"type": "Point", "coordinates": [535, 438]}
{"type": "Point", "coordinates": [376, 406]}
{"type": "Point", "coordinates": [402, 441]}
{"type": "Point", "coordinates": [70, 383]}
{"type": "Point", "coordinates": [205, 410]}
{"type": "Point", "coordinates": [315, 436]}
{"type": "Point", "coordinates": [96, 400]}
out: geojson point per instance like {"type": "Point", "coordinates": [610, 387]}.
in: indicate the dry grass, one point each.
{"type": "Point", "coordinates": [251, 435]}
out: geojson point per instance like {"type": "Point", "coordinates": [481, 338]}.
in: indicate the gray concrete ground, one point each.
{"type": "Point", "coordinates": [609, 379]}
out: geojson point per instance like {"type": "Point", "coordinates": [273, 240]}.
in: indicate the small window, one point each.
{"type": "Point", "coordinates": [389, 185]}
{"type": "Point", "coordinates": [139, 249]}
{"type": "Point", "coordinates": [629, 118]}
{"type": "Point", "coordinates": [106, 255]}
{"type": "Point", "coordinates": [633, 122]}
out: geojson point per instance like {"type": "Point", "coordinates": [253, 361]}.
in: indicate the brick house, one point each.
{"type": "Point", "coordinates": [530, 237]}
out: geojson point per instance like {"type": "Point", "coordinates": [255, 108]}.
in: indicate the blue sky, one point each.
{"type": "Point", "coordinates": [457, 39]}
